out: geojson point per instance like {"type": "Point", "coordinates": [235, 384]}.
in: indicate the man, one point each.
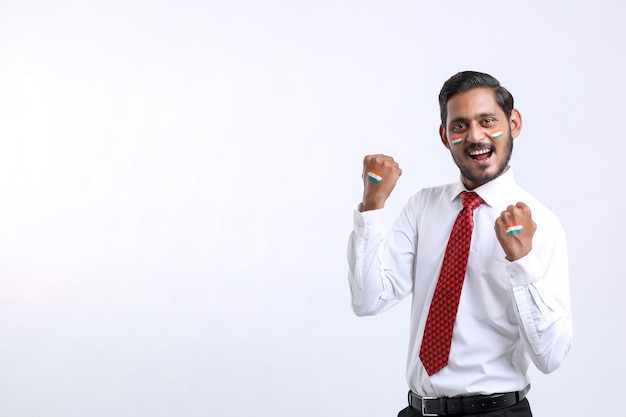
{"type": "Point", "coordinates": [484, 262]}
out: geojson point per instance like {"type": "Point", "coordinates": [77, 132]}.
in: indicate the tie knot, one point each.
{"type": "Point", "coordinates": [471, 200]}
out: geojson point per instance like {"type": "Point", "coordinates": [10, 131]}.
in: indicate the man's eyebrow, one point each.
{"type": "Point", "coordinates": [465, 119]}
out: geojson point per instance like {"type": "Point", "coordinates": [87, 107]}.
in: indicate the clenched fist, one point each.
{"type": "Point", "coordinates": [376, 192]}
{"type": "Point", "coordinates": [516, 245]}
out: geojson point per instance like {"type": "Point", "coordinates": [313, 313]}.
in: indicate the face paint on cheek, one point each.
{"type": "Point", "coordinates": [457, 141]}
{"type": "Point", "coordinates": [497, 135]}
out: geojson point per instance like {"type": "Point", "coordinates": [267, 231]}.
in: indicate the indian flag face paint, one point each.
{"type": "Point", "coordinates": [497, 135]}
{"type": "Point", "coordinates": [514, 229]}
{"type": "Point", "coordinates": [374, 176]}
{"type": "Point", "coordinates": [457, 141]}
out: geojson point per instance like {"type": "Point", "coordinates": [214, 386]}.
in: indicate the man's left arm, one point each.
{"type": "Point", "coordinates": [539, 274]}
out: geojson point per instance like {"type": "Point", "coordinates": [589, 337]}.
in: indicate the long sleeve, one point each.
{"type": "Point", "coordinates": [380, 265]}
{"type": "Point", "coordinates": [541, 292]}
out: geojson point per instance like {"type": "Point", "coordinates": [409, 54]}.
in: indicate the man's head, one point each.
{"type": "Point", "coordinates": [478, 124]}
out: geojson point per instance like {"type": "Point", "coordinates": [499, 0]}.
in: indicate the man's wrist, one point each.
{"type": "Point", "coordinates": [365, 207]}
{"type": "Point", "coordinates": [370, 204]}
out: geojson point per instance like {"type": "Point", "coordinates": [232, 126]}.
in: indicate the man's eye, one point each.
{"type": "Point", "coordinates": [488, 121]}
{"type": "Point", "coordinates": [458, 126]}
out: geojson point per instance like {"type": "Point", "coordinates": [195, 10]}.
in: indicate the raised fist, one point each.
{"type": "Point", "coordinates": [380, 175]}
{"type": "Point", "coordinates": [515, 229]}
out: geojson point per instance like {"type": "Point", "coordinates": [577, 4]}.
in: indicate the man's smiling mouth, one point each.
{"type": "Point", "coordinates": [480, 154]}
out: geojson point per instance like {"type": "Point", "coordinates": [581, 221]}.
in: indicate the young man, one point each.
{"type": "Point", "coordinates": [484, 262]}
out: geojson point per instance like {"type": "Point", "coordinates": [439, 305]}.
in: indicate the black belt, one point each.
{"type": "Point", "coordinates": [437, 406]}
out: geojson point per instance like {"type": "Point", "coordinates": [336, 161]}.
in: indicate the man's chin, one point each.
{"type": "Point", "coordinates": [476, 179]}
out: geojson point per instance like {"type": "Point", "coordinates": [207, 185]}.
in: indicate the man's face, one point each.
{"type": "Point", "coordinates": [472, 135]}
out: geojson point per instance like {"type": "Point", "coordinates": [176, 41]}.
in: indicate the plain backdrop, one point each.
{"type": "Point", "coordinates": [177, 181]}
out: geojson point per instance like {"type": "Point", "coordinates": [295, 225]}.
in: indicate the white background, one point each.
{"type": "Point", "coordinates": [177, 180]}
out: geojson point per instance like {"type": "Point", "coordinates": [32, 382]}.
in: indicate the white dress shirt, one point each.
{"type": "Point", "coordinates": [510, 313]}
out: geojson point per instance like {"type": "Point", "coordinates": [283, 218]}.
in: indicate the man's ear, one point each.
{"type": "Point", "coordinates": [515, 121]}
{"type": "Point", "coordinates": [444, 136]}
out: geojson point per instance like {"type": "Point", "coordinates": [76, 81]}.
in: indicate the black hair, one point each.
{"type": "Point", "coordinates": [467, 80]}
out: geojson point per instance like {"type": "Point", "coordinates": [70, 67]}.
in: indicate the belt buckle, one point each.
{"type": "Point", "coordinates": [424, 413]}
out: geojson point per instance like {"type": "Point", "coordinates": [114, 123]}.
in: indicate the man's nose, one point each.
{"type": "Point", "coordinates": [476, 134]}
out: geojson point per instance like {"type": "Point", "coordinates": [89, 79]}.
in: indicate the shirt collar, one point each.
{"type": "Point", "coordinates": [491, 192]}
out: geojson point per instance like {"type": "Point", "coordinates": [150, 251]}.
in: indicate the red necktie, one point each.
{"type": "Point", "coordinates": [437, 338]}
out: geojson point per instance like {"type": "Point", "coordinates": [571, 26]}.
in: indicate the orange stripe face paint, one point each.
{"type": "Point", "coordinates": [497, 135]}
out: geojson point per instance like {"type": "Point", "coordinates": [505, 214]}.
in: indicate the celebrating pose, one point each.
{"type": "Point", "coordinates": [485, 264]}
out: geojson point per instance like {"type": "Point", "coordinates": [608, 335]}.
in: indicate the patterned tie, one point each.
{"type": "Point", "coordinates": [437, 339]}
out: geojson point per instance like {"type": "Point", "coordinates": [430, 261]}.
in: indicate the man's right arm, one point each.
{"type": "Point", "coordinates": [379, 271]}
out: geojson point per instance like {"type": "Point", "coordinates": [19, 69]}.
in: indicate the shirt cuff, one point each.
{"type": "Point", "coordinates": [371, 218]}
{"type": "Point", "coordinates": [525, 271]}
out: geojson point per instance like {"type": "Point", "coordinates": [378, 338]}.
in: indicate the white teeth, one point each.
{"type": "Point", "coordinates": [480, 152]}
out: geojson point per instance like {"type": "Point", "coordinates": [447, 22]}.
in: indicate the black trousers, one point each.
{"type": "Point", "coordinates": [521, 409]}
